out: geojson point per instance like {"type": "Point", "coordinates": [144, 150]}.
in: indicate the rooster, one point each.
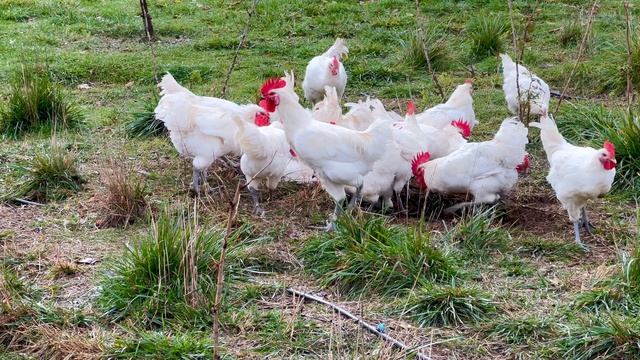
{"type": "Point", "coordinates": [486, 170]}
{"type": "Point", "coordinates": [533, 91]}
{"type": "Point", "coordinates": [458, 107]}
{"type": "Point", "coordinates": [202, 128]}
{"type": "Point", "coordinates": [339, 156]}
{"type": "Point", "coordinates": [577, 174]}
{"type": "Point", "coordinates": [326, 70]}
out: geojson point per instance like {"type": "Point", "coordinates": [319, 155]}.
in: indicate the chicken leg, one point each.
{"type": "Point", "coordinates": [576, 231]}
{"type": "Point", "coordinates": [337, 211]}
{"type": "Point", "coordinates": [255, 196]}
{"type": "Point", "coordinates": [584, 222]}
{"type": "Point", "coordinates": [401, 208]}
{"type": "Point", "coordinates": [356, 198]}
{"type": "Point", "coordinates": [195, 183]}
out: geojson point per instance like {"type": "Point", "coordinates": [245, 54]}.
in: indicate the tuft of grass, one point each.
{"type": "Point", "coordinates": [169, 274]}
{"type": "Point", "coordinates": [623, 130]}
{"type": "Point", "coordinates": [438, 52]}
{"type": "Point", "coordinates": [524, 330]}
{"type": "Point", "coordinates": [486, 34]}
{"type": "Point", "coordinates": [478, 233]}
{"type": "Point", "coordinates": [551, 249]}
{"type": "Point", "coordinates": [63, 268]}
{"type": "Point", "coordinates": [36, 105]}
{"type": "Point", "coordinates": [610, 337]}
{"type": "Point", "coordinates": [159, 345]}
{"type": "Point", "coordinates": [436, 305]}
{"type": "Point", "coordinates": [143, 122]}
{"type": "Point", "coordinates": [570, 33]}
{"type": "Point", "coordinates": [14, 290]}
{"type": "Point", "coordinates": [371, 253]}
{"type": "Point", "coordinates": [126, 201]}
{"type": "Point", "coordinates": [52, 176]}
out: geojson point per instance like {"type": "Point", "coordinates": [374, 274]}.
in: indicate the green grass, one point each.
{"type": "Point", "coordinates": [437, 49]}
{"type": "Point", "coordinates": [370, 253]}
{"type": "Point", "coordinates": [437, 305]}
{"type": "Point", "coordinates": [487, 35]}
{"type": "Point", "coordinates": [158, 345]}
{"type": "Point", "coordinates": [607, 337]}
{"type": "Point", "coordinates": [571, 33]}
{"type": "Point", "coordinates": [143, 122]}
{"type": "Point", "coordinates": [37, 105]}
{"type": "Point", "coordinates": [52, 176]}
{"type": "Point", "coordinates": [167, 275]}
{"type": "Point", "coordinates": [478, 233]}
{"type": "Point", "coordinates": [531, 329]}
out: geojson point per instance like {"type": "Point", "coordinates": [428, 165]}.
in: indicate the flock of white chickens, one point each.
{"type": "Point", "coordinates": [371, 153]}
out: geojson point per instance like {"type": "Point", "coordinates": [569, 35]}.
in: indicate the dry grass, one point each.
{"type": "Point", "coordinates": [126, 201]}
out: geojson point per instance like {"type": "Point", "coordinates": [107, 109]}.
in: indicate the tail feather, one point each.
{"type": "Point", "coordinates": [168, 85]}
{"type": "Point", "coordinates": [550, 136]}
{"type": "Point", "coordinates": [339, 49]}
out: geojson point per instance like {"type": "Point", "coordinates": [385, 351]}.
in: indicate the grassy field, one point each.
{"type": "Point", "coordinates": [502, 283]}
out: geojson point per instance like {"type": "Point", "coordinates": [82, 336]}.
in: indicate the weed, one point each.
{"type": "Point", "coordinates": [609, 337]}
{"type": "Point", "coordinates": [438, 52]}
{"type": "Point", "coordinates": [486, 33]}
{"type": "Point", "coordinates": [126, 200]}
{"type": "Point", "coordinates": [477, 233]}
{"type": "Point", "coordinates": [143, 123]}
{"type": "Point", "coordinates": [37, 104]}
{"type": "Point", "coordinates": [435, 305]}
{"type": "Point", "coordinates": [63, 268]}
{"type": "Point", "coordinates": [371, 253]}
{"type": "Point", "coordinates": [53, 176]}
{"type": "Point", "coordinates": [168, 274]}
{"type": "Point", "coordinates": [570, 33]}
{"type": "Point", "coordinates": [159, 345]}
{"type": "Point", "coordinates": [524, 330]}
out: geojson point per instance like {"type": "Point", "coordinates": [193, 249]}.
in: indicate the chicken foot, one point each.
{"type": "Point", "coordinates": [255, 197]}
{"type": "Point", "coordinates": [401, 208]}
{"type": "Point", "coordinates": [195, 182]}
{"type": "Point", "coordinates": [337, 211]}
{"type": "Point", "coordinates": [576, 231]}
{"type": "Point", "coordinates": [356, 198]}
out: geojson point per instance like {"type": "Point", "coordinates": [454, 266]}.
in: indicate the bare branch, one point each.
{"type": "Point", "coordinates": [372, 329]}
{"type": "Point", "coordinates": [585, 36]}
{"type": "Point", "coordinates": [422, 38]}
{"type": "Point", "coordinates": [629, 56]}
{"type": "Point", "coordinates": [243, 38]}
{"type": "Point", "coordinates": [517, 57]}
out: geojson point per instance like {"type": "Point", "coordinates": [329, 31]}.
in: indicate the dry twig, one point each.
{"type": "Point", "coordinates": [422, 38]}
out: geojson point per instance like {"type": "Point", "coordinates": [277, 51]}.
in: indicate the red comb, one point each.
{"type": "Point", "coordinates": [418, 172]}
{"type": "Point", "coordinates": [524, 166]}
{"type": "Point", "coordinates": [411, 107]}
{"type": "Point", "coordinates": [262, 119]}
{"type": "Point", "coordinates": [270, 84]}
{"type": "Point", "coordinates": [263, 104]}
{"type": "Point", "coordinates": [468, 81]}
{"type": "Point", "coordinates": [611, 149]}
{"type": "Point", "coordinates": [293, 153]}
{"type": "Point", "coordinates": [463, 127]}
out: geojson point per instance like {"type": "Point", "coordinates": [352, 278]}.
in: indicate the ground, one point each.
{"type": "Point", "coordinates": [537, 275]}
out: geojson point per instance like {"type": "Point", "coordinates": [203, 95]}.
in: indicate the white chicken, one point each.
{"type": "Point", "coordinates": [202, 128]}
{"type": "Point", "coordinates": [576, 174]}
{"type": "Point", "coordinates": [458, 107]}
{"type": "Point", "coordinates": [328, 110]}
{"type": "Point", "coordinates": [265, 157]}
{"type": "Point", "coordinates": [339, 156]}
{"type": "Point", "coordinates": [326, 70]}
{"type": "Point", "coordinates": [533, 91]}
{"type": "Point", "coordinates": [486, 170]}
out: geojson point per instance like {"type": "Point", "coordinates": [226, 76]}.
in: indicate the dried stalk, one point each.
{"type": "Point", "coordinates": [243, 38]}
{"type": "Point", "coordinates": [422, 38]}
{"type": "Point", "coordinates": [346, 313]}
{"type": "Point", "coordinates": [515, 50]}
{"type": "Point", "coordinates": [585, 36]}
{"type": "Point", "coordinates": [629, 56]}
{"type": "Point", "coordinates": [146, 19]}
{"type": "Point", "coordinates": [233, 212]}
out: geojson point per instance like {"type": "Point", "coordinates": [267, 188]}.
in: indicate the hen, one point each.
{"type": "Point", "coordinates": [339, 156]}
{"type": "Point", "coordinates": [202, 128]}
{"type": "Point", "coordinates": [534, 92]}
{"type": "Point", "coordinates": [486, 170]}
{"type": "Point", "coordinates": [576, 174]}
{"type": "Point", "coordinates": [458, 107]}
{"type": "Point", "coordinates": [326, 70]}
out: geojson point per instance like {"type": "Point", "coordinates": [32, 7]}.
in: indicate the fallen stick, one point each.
{"type": "Point", "coordinates": [27, 202]}
{"type": "Point", "coordinates": [346, 313]}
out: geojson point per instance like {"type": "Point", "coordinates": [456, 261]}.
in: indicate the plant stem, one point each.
{"type": "Point", "coordinates": [425, 49]}
{"type": "Point", "coordinates": [629, 58]}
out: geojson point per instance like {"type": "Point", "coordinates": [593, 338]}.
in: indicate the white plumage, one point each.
{"type": "Point", "coordinates": [326, 70]}
{"type": "Point", "coordinates": [576, 174]}
{"type": "Point", "coordinates": [459, 106]}
{"type": "Point", "coordinates": [533, 90]}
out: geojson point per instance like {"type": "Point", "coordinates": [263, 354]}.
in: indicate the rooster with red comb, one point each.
{"type": "Point", "coordinates": [577, 174]}
{"type": "Point", "coordinates": [326, 70]}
